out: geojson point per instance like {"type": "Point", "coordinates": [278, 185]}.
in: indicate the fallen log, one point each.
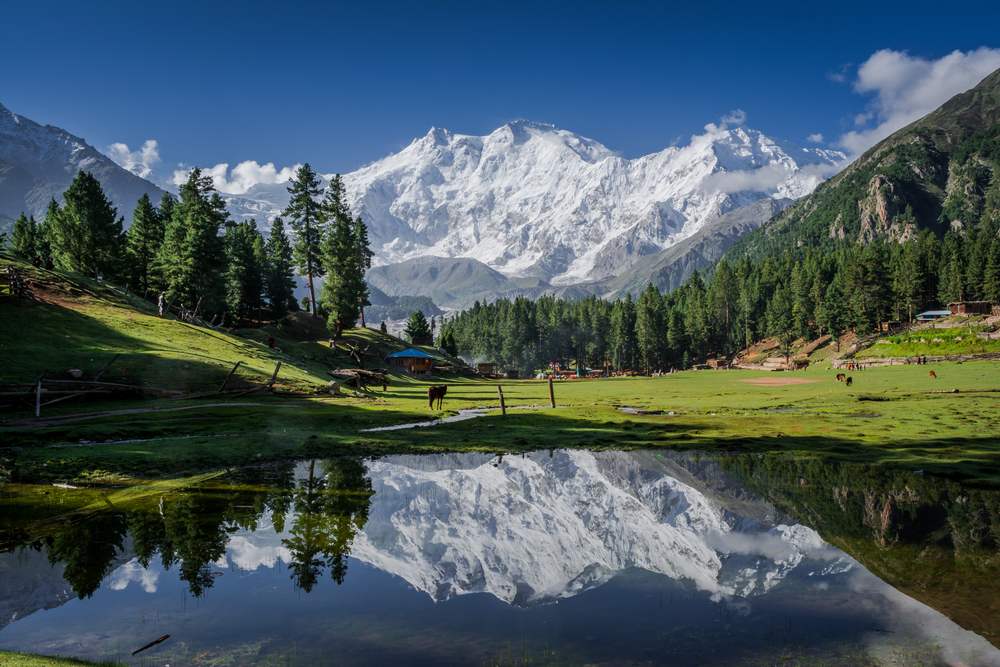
{"type": "Point", "coordinates": [151, 644]}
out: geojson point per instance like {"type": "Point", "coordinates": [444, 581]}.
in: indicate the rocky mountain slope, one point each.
{"type": "Point", "coordinates": [37, 163]}
{"type": "Point", "coordinates": [938, 173]}
{"type": "Point", "coordinates": [670, 268]}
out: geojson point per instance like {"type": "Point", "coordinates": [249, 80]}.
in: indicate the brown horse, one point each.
{"type": "Point", "coordinates": [933, 375]}
{"type": "Point", "coordinates": [436, 393]}
{"type": "Point", "coordinates": [841, 377]}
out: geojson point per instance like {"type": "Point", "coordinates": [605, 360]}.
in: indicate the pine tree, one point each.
{"type": "Point", "coordinates": [780, 318]}
{"type": "Point", "coordinates": [192, 258]}
{"type": "Point", "coordinates": [831, 317]}
{"type": "Point", "coordinates": [280, 280]}
{"type": "Point", "coordinates": [622, 335]}
{"type": "Point", "coordinates": [908, 281]}
{"type": "Point", "coordinates": [24, 238]}
{"type": "Point", "coordinates": [951, 284]}
{"type": "Point", "coordinates": [43, 241]}
{"type": "Point", "coordinates": [802, 305]}
{"type": "Point", "coordinates": [142, 244]}
{"type": "Point", "coordinates": [363, 255]}
{"type": "Point", "coordinates": [87, 234]}
{"type": "Point", "coordinates": [244, 270]}
{"type": "Point", "coordinates": [306, 218]}
{"type": "Point", "coordinates": [649, 328]}
{"type": "Point", "coordinates": [991, 277]}
{"type": "Point", "coordinates": [417, 330]}
{"type": "Point", "coordinates": [344, 291]}
{"type": "Point", "coordinates": [447, 342]}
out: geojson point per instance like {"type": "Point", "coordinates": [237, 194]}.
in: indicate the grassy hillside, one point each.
{"type": "Point", "coordinates": [970, 339]}
{"type": "Point", "coordinates": [75, 323]}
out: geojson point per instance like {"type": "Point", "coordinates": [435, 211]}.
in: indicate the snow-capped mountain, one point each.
{"type": "Point", "coordinates": [38, 162]}
{"type": "Point", "coordinates": [533, 200]}
{"type": "Point", "coordinates": [537, 528]}
{"type": "Point", "coordinates": [530, 199]}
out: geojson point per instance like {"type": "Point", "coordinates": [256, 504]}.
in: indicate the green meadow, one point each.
{"type": "Point", "coordinates": [895, 415]}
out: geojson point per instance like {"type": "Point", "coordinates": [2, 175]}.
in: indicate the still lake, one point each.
{"type": "Point", "coordinates": [553, 557]}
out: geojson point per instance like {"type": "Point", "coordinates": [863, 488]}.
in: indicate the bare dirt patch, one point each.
{"type": "Point", "coordinates": [777, 381]}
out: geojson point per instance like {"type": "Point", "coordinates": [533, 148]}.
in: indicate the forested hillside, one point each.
{"type": "Point", "coordinates": [912, 224]}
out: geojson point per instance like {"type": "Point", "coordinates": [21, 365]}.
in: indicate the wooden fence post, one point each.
{"type": "Point", "coordinates": [228, 377]}
{"type": "Point", "coordinates": [503, 405]}
{"type": "Point", "coordinates": [552, 393]}
{"type": "Point", "coordinates": [274, 376]}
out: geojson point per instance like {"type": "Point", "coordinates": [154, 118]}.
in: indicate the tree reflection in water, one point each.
{"type": "Point", "coordinates": [191, 528]}
{"type": "Point", "coordinates": [331, 506]}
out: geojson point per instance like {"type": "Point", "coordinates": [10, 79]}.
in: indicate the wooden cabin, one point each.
{"type": "Point", "coordinates": [411, 360]}
{"type": "Point", "coordinates": [970, 307]}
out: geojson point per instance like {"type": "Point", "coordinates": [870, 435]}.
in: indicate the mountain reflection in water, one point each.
{"type": "Point", "coordinates": [605, 557]}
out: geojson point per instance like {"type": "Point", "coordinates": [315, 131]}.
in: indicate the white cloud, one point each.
{"type": "Point", "coordinates": [908, 87]}
{"type": "Point", "coordinates": [769, 177]}
{"type": "Point", "coordinates": [241, 178]}
{"type": "Point", "coordinates": [734, 118]}
{"type": "Point", "coordinates": [815, 137]}
{"type": "Point", "coordinates": [132, 572]}
{"type": "Point", "coordinates": [141, 161]}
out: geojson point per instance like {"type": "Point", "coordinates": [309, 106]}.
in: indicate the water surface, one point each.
{"type": "Point", "coordinates": [552, 557]}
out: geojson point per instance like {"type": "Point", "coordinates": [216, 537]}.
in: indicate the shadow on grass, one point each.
{"type": "Point", "coordinates": [170, 443]}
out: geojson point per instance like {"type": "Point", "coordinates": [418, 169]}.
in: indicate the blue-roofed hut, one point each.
{"type": "Point", "coordinates": [411, 360]}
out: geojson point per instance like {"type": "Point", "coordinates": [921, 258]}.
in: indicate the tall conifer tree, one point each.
{"type": "Point", "coordinates": [142, 244]}
{"type": "Point", "coordinates": [280, 281]}
{"type": "Point", "coordinates": [87, 235]}
{"type": "Point", "coordinates": [306, 218]}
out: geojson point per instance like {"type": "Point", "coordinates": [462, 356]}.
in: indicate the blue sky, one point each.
{"type": "Point", "coordinates": [340, 85]}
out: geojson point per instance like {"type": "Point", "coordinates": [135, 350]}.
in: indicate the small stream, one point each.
{"type": "Point", "coordinates": [463, 415]}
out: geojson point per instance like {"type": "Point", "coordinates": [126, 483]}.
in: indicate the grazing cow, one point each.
{"type": "Point", "coordinates": [436, 393]}
{"type": "Point", "coordinates": [849, 381]}
{"type": "Point", "coordinates": [841, 377]}
{"type": "Point", "coordinates": [933, 375]}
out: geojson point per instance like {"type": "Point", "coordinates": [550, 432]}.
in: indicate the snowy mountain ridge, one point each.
{"type": "Point", "coordinates": [530, 199]}
{"type": "Point", "coordinates": [38, 162]}
{"type": "Point", "coordinates": [538, 528]}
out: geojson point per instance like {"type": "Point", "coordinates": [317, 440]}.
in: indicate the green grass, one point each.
{"type": "Point", "coordinates": [8, 659]}
{"type": "Point", "coordinates": [893, 415]}
{"type": "Point", "coordinates": [934, 342]}
{"type": "Point", "coordinates": [76, 323]}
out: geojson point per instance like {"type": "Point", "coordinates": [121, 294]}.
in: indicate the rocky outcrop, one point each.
{"type": "Point", "coordinates": [879, 212]}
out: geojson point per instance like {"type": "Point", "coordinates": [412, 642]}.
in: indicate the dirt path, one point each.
{"type": "Point", "coordinates": [777, 381]}
{"type": "Point", "coordinates": [68, 419]}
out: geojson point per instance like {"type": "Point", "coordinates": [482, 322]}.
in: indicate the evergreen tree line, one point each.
{"type": "Point", "coordinates": [201, 261]}
{"type": "Point", "coordinates": [795, 293]}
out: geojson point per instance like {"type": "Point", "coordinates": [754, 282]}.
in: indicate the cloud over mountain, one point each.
{"type": "Point", "coordinates": [908, 87]}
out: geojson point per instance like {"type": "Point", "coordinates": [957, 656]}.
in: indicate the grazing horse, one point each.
{"type": "Point", "coordinates": [933, 375]}
{"type": "Point", "coordinates": [436, 393]}
{"type": "Point", "coordinates": [841, 377]}
{"type": "Point", "coordinates": [849, 381]}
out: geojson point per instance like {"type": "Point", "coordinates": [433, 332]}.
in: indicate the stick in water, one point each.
{"type": "Point", "coordinates": [151, 644]}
